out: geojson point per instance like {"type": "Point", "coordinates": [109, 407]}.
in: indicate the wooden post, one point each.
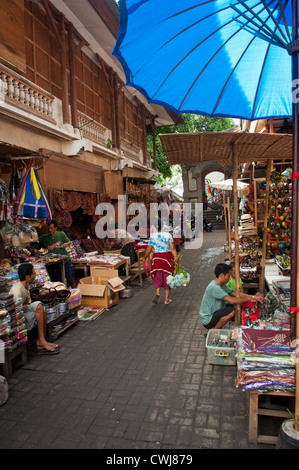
{"type": "Point", "coordinates": [64, 79]}
{"type": "Point", "coordinates": [294, 303]}
{"type": "Point", "coordinates": [154, 142]}
{"type": "Point", "coordinates": [225, 215]}
{"type": "Point", "coordinates": [60, 33]}
{"type": "Point", "coordinates": [111, 81]}
{"type": "Point", "coordinates": [236, 231]}
{"type": "Point", "coordinates": [264, 246]}
{"type": "Point", "coordinates": [73, 50]}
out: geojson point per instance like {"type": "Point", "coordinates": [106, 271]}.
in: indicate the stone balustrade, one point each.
{"type": "Point", "coordinates": [93, 130]}
{"type": "Point", "coordinates": [16, 89]}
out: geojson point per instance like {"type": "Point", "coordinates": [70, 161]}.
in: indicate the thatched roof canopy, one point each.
{"type": "Point", "coordinates": [190, 148]}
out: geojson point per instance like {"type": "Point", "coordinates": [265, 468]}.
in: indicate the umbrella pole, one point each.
{"type": "Point", "coordinates": [294, 329]}
{"type": "Point", "coordinates": [264, 246]}
{"type": "Point", "coordinates": [236, 231]}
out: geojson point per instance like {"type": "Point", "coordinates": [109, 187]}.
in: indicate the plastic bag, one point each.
{"type": "Point", "coordinates": [146, 268]}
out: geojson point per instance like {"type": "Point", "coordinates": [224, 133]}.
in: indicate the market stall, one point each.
{"type": "Point", "coordinates": [266, 375]}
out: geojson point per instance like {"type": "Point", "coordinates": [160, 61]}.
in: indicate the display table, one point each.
{"type": "Point", "coordinates": [10, 356]}
{"type": "Point", "coordinates": [272, 273]}
{"type": "Point", "coordinates": [267, 408]}
{"type": "Point", "coordinates": [90, 264]}
{"type": "Point", "coordinates": [52, 333]}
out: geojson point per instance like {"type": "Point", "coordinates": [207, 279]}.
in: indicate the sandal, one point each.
{"type": "Point", "coordinates": [43, 351]}
{"type": "Point", "coordinates": [169, 302]}
{"type": "Point", "coordinates": [156, 298]}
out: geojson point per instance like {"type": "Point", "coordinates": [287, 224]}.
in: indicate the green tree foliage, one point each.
{"type": "Point", "coordinates": [193, 123]}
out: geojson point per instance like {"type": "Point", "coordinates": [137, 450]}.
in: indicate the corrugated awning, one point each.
{"type": "Point", "coordinates": [198, 147]}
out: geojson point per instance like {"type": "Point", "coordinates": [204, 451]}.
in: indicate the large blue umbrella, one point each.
{"type": "Point", "coordinates": [235, 58]}
{"type": "Point", "coordinates": [217, 57]}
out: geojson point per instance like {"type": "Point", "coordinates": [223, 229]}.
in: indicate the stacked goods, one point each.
{"type": "Point", "coordinates": [74, 249]}
{"type": "Point", "coordinates": [247, 226]}
{"type": "Point", "coordinates": [13, 331]}
{"type": "Point", "coordinates": [265, 363]}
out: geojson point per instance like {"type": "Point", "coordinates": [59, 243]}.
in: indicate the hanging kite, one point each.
{"type": "Point", "coordinates": [31, 200]}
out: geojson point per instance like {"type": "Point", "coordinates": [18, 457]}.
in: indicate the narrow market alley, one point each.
{"type": "Point", "coordinates": [137, 377]}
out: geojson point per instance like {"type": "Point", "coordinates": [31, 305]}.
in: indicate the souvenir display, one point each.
{"type": "Point", "coordinates": [74, 249]}
{"type": "Point", "coordinates": [265, 361]}
{"type": "Point", "coordinates": [13, 331]}
{"type": "Point", "coordinates": [279, 218]}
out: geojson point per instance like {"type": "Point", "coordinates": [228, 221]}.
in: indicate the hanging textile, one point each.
{"type": "Point", "coordinates": [31, 200]}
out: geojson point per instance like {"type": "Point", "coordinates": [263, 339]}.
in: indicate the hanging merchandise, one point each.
{"type": "Point", "coordinates": [31, 200]}
{"type": "Point", "coordinates": [3, 203]}
{"type": "Point", "coordinates": [279, 219]}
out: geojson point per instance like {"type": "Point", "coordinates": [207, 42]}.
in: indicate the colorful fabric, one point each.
{"type": "Point", "coordinates": [162, 262]}
{"type": "Point", "coordinates": [160, 280]}
{"type": "Point", "coordinates": [31, 200]}
{"type": "Point", "coordinates": [160, 242]}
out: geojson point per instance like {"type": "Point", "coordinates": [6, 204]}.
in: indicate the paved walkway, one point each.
{"type": "Point", "coordinates": [135, 378]}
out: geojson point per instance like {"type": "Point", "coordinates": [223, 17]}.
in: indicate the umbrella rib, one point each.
{"type": "Point", "coordinates": [260, 78]}
{"type": "Point", "coordinates": [284, 18]}
{"type": "Point", "coordinates": [259, 82]}
{"type": "Point", "coordinates": [193, 24]}
{"type": "Point", "coordinates": [263, 23]}
{"type": "Point", "coordinates": [190, 52]}
{"type": "Point", "coordinates": [230, 75]}
{"type": "Point", "coordinates": [195, 47]}
{"type": "Point", "coordinates": [254, 28]}
{"type": "Point", "coordinates": [277, 21]}
{"type": "Point", "coordinates": [188, 9]}
{"type": "Point", "coordinates": [192, 85]}
{"type": "Point", "coordinates": [222, 45]}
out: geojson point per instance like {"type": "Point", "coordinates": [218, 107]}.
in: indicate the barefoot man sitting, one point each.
{"type": "Point", "coordinates": [34, 312]}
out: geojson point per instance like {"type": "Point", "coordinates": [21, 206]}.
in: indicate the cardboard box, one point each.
{"type": "Point", "coordinates": [103, 271]}
{"type": "Point", "coordinates": [100, 291]}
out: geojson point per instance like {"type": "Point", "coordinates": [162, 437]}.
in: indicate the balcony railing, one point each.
{"type": "Point", "coordinates": [93, 130]}
{"type": "Point", "coordinates": [15, 89]}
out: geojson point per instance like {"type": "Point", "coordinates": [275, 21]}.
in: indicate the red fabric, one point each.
{"type": "Point", "coordinates": [253, 317]}
{"type": "Point", "coordinates": [162, 262]}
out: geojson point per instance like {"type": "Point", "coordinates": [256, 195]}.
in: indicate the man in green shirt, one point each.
{"type": "Point", "coordinates": [54, 241]}
{"type": "Point", "coordinates": [213, 310]}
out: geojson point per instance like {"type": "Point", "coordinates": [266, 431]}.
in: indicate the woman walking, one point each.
{"type": "Point", "coordinates": [162, 262]}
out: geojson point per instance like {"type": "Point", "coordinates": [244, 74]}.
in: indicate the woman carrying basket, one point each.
{"type": "Point", "coordinates": [162, 262]}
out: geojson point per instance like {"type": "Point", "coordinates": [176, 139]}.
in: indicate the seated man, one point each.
{"type": "Point", "coordinates": [213, 310]}
{"type": "Point", "coordinates": [34, 312]}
